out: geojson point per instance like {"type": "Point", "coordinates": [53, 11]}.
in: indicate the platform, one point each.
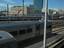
{"type": "Point", "coordinates": [50, 41]}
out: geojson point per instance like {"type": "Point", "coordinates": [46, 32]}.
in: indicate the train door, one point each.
{"type": "Point", "coordinates": [36, 30]}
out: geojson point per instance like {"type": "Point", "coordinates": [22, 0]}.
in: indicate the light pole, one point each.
{"type": "Point", "coordinates": [46, 11]}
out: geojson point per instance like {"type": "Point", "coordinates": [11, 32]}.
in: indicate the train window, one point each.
{"type": "Point", "coordinates": [37, 27]}
{"type": "Point", "coordinates": [8, 45]}
{"type": "Point", "coordinates": [49, 26]}
{"type": "Point", "coordinates": [37, 19]}
{"type": "Point", "coordinates": [31, 19]}
{"type": "Point", "coordinates": [22, 31]}
{"type": "Point", "coordinates": [3, 46]}
{"type": "Point", "coordinates": [29, 30]}
{"type": "Point", "coordinates": [25, 19]}
{"type": "Point", "coordinates": [14, 33]}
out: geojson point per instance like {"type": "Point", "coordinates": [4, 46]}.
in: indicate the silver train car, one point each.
{"type": "Point", "coordinates": [23, 30]}
{"type": "Point", "coordinates": [7, 40]}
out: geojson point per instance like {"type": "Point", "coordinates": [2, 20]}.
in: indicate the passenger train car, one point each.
{"type": "Point", "coordinates": [23, 30]}
{"type": "Point", "coordinates": [7, 40]}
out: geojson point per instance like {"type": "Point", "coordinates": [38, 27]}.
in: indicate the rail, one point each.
{"type": "Point", "coordinates": [54, 41]}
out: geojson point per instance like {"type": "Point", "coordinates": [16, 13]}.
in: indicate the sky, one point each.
{"type": "Point", "coordinates": [3, 3]}
{"type": "Point", "coordinates": [56, 3]}
{"type": "Point", "coordinates": [51, 3]}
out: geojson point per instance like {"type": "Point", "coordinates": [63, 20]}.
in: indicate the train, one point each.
{"type": "Point", "coordinates": [23, 30]}
{"type": "Point", "coordinates": [7, 40]}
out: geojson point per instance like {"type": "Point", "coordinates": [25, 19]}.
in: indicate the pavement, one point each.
{"type": "Point", "coordinates": [36, 45]}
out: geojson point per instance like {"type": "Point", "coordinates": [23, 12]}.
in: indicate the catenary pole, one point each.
{"type": "Point", "coordinates": [23, 7]}
{"type": "Point", "coordinates": [45, 18]}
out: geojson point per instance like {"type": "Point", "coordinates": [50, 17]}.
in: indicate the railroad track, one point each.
{"type": "Point", "coordinates": [60, 29]}
{"type": "Point", "coordinates": [55, 42]}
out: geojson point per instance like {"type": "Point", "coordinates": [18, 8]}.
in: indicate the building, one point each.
{"type": "Point", "coordinates": [34, 11]}
{"type": "Point", "coordinates": [18, 10]}
{"type": "Point", "coordinates": [38, 4]}
{"type": "Point", "coordinates": [36, 8]}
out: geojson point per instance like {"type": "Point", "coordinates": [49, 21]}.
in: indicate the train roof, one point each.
{"type": "Point", "coordinates": [17, 25]}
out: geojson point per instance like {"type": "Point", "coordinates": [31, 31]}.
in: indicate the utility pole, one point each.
{"type": "Point", "coordinates": [46, 11]}
{"type": "Point", "coordinates": [8, 12]}
{"type": "Point", "coordinates": [7, 9]}
{"type": "Point", "coordinates": [23, 7]}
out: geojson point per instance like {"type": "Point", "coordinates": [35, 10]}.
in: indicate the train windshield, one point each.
{"type": "Point", "coordinates": [7, 40]}
{"type": "Point", "coordinates": [3, 46]}
{"type": "Point", "coordinates": [8, 45]}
